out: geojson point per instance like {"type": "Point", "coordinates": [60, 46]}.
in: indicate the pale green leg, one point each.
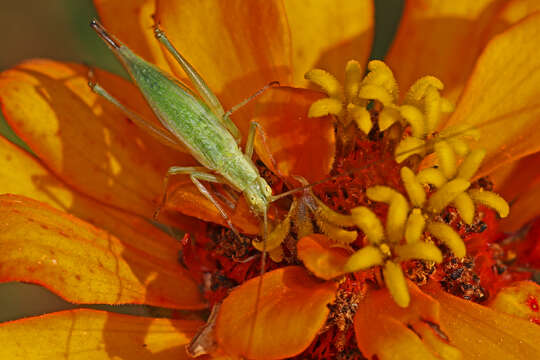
{"type": "Point", "coordinates": [202, 88]}
{"type": "Point", "coordinates": [196, 173]}
{"type": "Point", "coordinates": [251, 138]}
{"type": "Point", "coordinates": [159, 134]}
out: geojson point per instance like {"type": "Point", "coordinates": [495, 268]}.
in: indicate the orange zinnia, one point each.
{"type": "Point", "coordinates": [74, 218]}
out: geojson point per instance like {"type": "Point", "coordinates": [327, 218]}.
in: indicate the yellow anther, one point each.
{"type": "Point", "coordinates": [385, 250]}
{"type": "Point", "coordinates": [415, 226]}
{"type": "Point", "coordinates": [446, 194]}
{"type": "Point", "coordinates": [335, 233]}
{"type": "Point", "coordinates": [276, 236]}
{"type": "Point", "coordinates": [396, 218]}
{"type": "Point", "coordinates": [353, 77]}
{"type": "Point", "coordinates": [432, 106]}
{"type": "Point", "coordinates": [326, 106]}
{"type": "Point", "coordinates": [396, 283]}
{"type": "Point", "coordinates": [369, 223]}
{"type": "Point", "coordinates": [415, 190]}
{"type": "Point", "coordinates": [332, 216]}
{"type": "Point", "coordinates": [380, 74]}
{"type": "Point", "coordinates": [387, 117]}
{"type": "Point", "coordinates": [415, 118]}
{"type": "Point", "coordinates": [465, 207]}
{"type": "Point", "coordinates": [446, 158]}
{"type": "Point", "coordinates": [381, 193]}
{"type": "Point", "coordinates": [363, 259]}
{"type": "Point", "coordinates": [408, 147]}
{"type": "Point", "coordinates": [375, 92]}
{"type": "Point", "coordinates": [492, 200]}
{"type": "Point", "coordinates": [276, 255]}
{"type": "Point", "coordinates": [418, 250]}
{"type": "Point", "coordinates": [327, 82]}
{"type": "Point", "coordinates": [361, 117]}
{"type": "Point", "coordinates": [449, 237]}
{"type": "Point", "coordinates": [460, 147]}
{"type": "Point", "coordinates": [470, 165]}
{"type": "Point", "coordinates": [418, 90]}
{"type": "Point", "coordinates": [431, 176]}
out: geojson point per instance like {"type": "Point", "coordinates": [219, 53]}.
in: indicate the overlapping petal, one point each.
{"type": "Point", "coordinates": [390, 333]}
{"type": "Point", "coordinates": [84, 264]}
{"type": "Point", "coordinates": [135, 27]}
{"type": "Point", "coordinates": [95, 335]}
{"type": "Point", "coordinates": [326, 34]}
{"type": "Point", "coordinates": [482, 333]}
{"type": "Point", "coordinates": [290, 143]}
{"type": "Point", "coordinates": [501, 97]}
{"type": "Point", "coordinates": [82, 138]}
{"type": "Point", "coordinates": [440, 38]}
{"type": "Point", "coordinates": [237, 46]}
{"type": "Point", "coordinates": [319, 257]}
{"type": "Point", "coordinates": [292, 310]}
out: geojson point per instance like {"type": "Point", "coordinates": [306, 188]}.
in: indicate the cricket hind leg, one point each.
{"type": "Point", "coordinates": [161, 135]}
{"type": "Point", "coordinates": [196, 174]}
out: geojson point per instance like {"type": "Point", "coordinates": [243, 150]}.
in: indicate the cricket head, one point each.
{"type": "Point", "coordinates": [258, 196]}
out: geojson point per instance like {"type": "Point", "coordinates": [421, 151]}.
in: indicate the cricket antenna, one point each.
{"type": "Point", "coordinates": [94, 24]}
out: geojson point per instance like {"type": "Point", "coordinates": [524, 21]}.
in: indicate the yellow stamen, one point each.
{"type": "Point", "coordinates": [419, 250]}
{"type": "Point", "coordinates": [415, 226]}
{"type": "Point", "coordinates": [446, 194]}
{"type": "Point", "coordinates": [408, 147]}
{"type": "Point", "coordinates": [415, 190]}
{"type": "Point", "coordinates": [470, 165]}
{"type": "Point", "coordinates": [431, 176]}
{"type": "Point", "coordinates": [363, 259]}
{"type": "Point", "coordinates": [396, 284]}
{"type": "Point", "coordinates": [374, 92]}
{"type": "Point", "coordinates": [396, 218]}
{"type": "Point", "coordinates": [353, 78]}
{"type": "Point", "coordinates": [276, 236]}
{"type": "Point", "coordinates": [465, 207]}
{"type": "Point", "coordinates": [337, 234]}
{"type": "Point", "coordinates": [387, 117]}
{"type": "Point", "coordinates": [361, 117]}
{"type": "Point", "coordinates": [381, 75]}
{"type": "Point", "coordinates": [369, 223]}
{"type": "Point", "coordinates": [327, 82]}
{"type": "Point", "coordinates": [332, 216]}
{"type": "Point", "coordinates": [415, 118]}
{"type": "Point", "coordinates": [325, 106]}
{"type": "Point", "coordinates": [448, 236]}
{"type": "Point", "coordinates": [447, 158]}
{"type": "Point", "coordinates": [492, 200]}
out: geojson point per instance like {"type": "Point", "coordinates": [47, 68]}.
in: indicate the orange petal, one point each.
{"type": "Point", "coordinates": [84, 264]}
{"type": "Point", "coordinates": [320, 258]}
{"type": "Point", "coordinates": [292, 310]}
{"type": "Point", "coordinates": [90, 334]}
{"type": "Point", "coordinates": [289, 142]}
{"type": "Point", "coordinates": [384, 329]}
{"type": "Point", "coordinates": [440, 38]}
{"type": "Point", "coordinates": [482, 333]}
{"type": "Point", "coordinates": [22, 174]}
{"type": "Point", "coordinates": [512, 12]}
{"type": "Point", "coordinates": [521, 300]}
{"type": "Point", "coordinates": [236, 46]}
{"type": "Point", "coordinates": [187, 199]}
{"type": "Point", "coordinates": [519, 184]}
{"type": "Point", "coordinates": [501, 98]}
{"type": "Point", "coordinates": [326, 35]}
{"type": "Point", "coordinates": [84, 139]}
{"type": "Point", "coordinates": [131, 22]}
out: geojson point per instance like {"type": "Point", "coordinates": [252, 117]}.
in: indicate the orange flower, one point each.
{"type": "Point", "coordinates": [95, 164]}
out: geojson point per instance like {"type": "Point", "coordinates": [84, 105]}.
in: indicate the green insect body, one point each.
{"type": "Point", "coordinates": [193, 122]}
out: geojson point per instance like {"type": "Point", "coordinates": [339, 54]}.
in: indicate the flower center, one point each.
{"type": "Point", "coordinates": [400, 199]}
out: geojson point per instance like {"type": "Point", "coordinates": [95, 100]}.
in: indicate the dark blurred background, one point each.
{"type": "Point", "coordinates": [58, 29]}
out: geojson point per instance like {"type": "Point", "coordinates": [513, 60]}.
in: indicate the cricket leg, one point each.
{"type": "Point", "coordinates": [161, 135]}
